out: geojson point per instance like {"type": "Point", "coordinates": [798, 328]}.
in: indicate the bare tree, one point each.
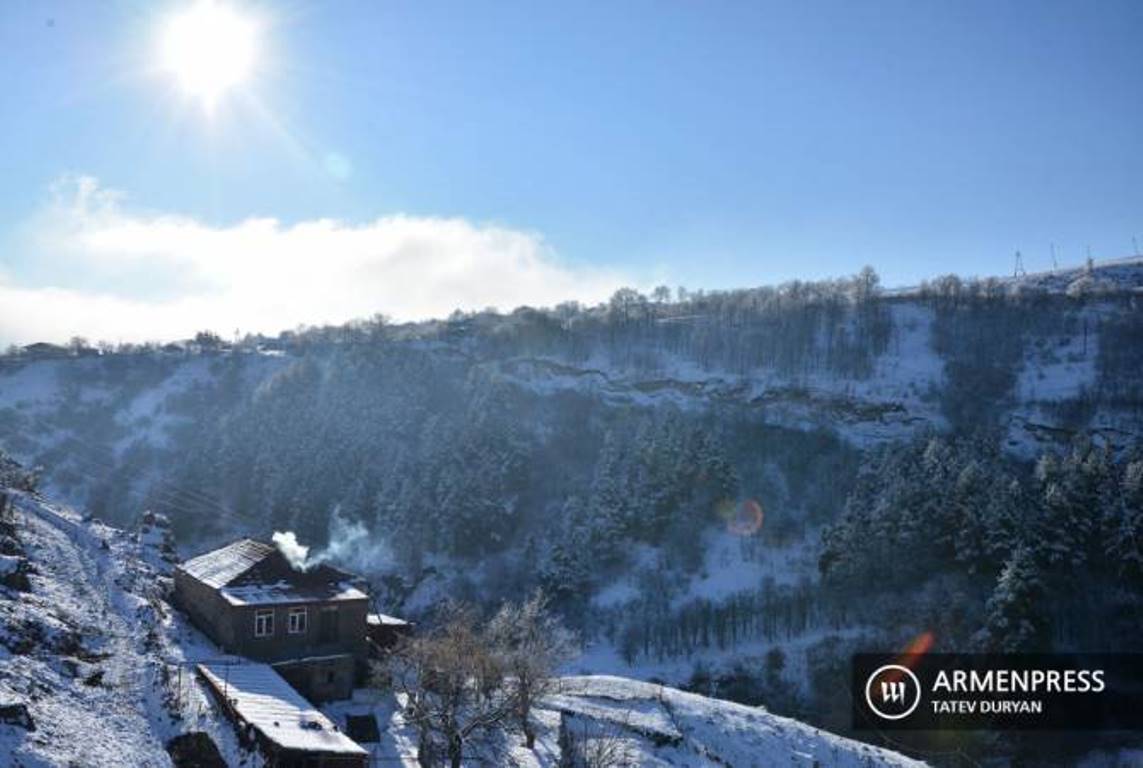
{"type": "Point", "coordinates": [623, 304]}
{"type": "Point", "coordinates": [866, 284]}
{"type": "Point", "coordinates": [208, 341]}
{"type": "Point", "coordinates": [453, 682]}
{"type": "Point", "coordinates": [531, 643]}
{"type": "Point", "coordinates": [76, 344]}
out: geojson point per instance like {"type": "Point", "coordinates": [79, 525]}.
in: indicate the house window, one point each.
{"type": "Point", "coordinates": [263, 623]}
{"type": "Point", "coordinates": [297, 621]}
{"type": "Point", "coordinates": [327, 628]}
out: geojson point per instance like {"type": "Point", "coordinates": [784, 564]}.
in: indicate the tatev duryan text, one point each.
{"type": "Point", "coordinates": [1020, 681]}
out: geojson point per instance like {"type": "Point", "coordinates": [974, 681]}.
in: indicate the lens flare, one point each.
{"type": "Point", "coordinates": [742, 519]}
{"type": "Point", "coordinates": [921, 644]}
{"type": "Point", "coordinates": [917, 647]}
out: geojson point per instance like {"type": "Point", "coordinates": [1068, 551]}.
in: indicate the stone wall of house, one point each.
{"type": "Point", "coordinates": [207, 610]}
{"type": "Point", "coordinates": [348, 634]}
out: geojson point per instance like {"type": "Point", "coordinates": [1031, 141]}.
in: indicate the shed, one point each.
{"type": "Point", "coordinates": [286, 727]}
{"type": "Point", "coordinates": [385, 632]}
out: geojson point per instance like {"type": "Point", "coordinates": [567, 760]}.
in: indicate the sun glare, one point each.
{"type": "Point", "coordinates": [210, 49]}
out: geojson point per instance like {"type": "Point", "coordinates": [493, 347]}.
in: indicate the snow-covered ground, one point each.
{"type": "Point", "coordinates": [89, 686]}
{"type": "Point", "coordinates": [671, 727]}
{"type": "Point", "coordinates": [646, 725]}
{"type": "Point", "coordinates": [89, 652]}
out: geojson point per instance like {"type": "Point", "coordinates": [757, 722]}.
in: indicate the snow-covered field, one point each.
{"type": "Point", "coordinates": [646, 725]}
{"type": "Point", "coordinates": [670, 727]}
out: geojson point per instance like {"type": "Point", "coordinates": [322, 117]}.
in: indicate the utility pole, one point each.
{"type": "Point", "coordinates": [1055, 264]}
{"type": "Point", "coordinates": [1090, 266]}
{"type": "Point", "coordinates": [1018, 270]}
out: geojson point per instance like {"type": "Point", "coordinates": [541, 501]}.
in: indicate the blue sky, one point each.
{"type": "Point", "coordinates": [573, 145]}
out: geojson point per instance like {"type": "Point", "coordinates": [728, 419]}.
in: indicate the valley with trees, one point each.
{"type": "Point", "coordinates": [727, 491]}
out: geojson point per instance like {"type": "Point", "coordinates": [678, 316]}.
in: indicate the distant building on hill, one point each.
{"type": "Point", "coordinates": [42, 350]}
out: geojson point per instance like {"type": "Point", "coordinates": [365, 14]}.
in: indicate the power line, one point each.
{"type": "Point", "coordinates": [175, 498]}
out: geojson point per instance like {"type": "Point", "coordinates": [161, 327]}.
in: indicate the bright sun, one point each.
{"type": "Point", "coordinates": [210, 49]}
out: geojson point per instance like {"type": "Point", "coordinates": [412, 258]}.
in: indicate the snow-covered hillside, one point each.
{"type": "Point", "coordinates": [896, 397]}
{"type": "Point", "coordinates": [91, 653]}
{"type": "Point", "coordinates": [616, 721]}
{"type": "Point", "coordinates": [89, 650]}
{"type": "Point", "coordinates": [664, 726]}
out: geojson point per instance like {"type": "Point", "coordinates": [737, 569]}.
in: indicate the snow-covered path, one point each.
{"type": "Point", "coordinates": [89, 686]}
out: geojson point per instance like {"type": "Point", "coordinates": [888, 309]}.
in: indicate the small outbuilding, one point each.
{"type": "Point", "coordinates": [386, 633]}
{"type": "Point", "coordinates": [286, 727]}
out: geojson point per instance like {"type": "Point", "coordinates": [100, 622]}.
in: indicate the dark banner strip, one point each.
{"type": "Point", "coordinates": [941, 691]}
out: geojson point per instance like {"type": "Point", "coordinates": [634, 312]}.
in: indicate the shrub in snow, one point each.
{"type": "Point", "coordinates": [17, 714]}
{"type": "Point", "coordinates": [194, 750]}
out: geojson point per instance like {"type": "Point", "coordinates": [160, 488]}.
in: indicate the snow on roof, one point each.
{"type": "Point", "coordinates": [380, 619]}
{"type": "Point", "coordinates": [250, 572]}
{"type": "Point", "coordinates": [284, 592]}
{"type": "Point", "coordinates": [262, 698]}
{"type": "Point", "coordinates": [221, 566]}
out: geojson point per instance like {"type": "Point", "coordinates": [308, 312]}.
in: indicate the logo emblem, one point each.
{"type": "Point", "coordinates": [892, 692]}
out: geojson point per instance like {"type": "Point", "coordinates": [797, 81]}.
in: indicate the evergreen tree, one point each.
{"type": "Point", "coordinates": [1124, 548]}
{"type": "Point", "coordinates": [1014, 618]}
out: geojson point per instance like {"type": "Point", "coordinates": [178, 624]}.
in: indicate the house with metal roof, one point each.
{"type": "Point", "coordinates": [286, 727]}
{"type": "Point", "coordinates": [309, 623]}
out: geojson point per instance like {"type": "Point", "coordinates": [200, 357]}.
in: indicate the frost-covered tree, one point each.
{"type": "Point", "coordinates": [1124, 547]}
{"type": "Point", "coordinates": [566, 575]}
{"type": "Point", "coordinates": [1072, 501]}
{"type": "Point", "coordinates": [1014, 618]}
{"type": "Point", "coordinates": [453, 683]}
{"type": "Point", "coordinates": [531, 643]}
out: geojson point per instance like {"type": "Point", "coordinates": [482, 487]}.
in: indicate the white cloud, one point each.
{"type": "Point", "coordinates": [108, 272]}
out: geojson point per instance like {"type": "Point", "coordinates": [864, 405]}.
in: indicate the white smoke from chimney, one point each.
{"type": "Point", "coordinates": [352, 545]}
{"type": "Point", "coordinates": [294, 552]}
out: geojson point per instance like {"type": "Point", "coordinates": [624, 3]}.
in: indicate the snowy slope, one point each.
{"type": "Point", "coordinates": [88, 651]}
{"type": "Point", "coordinates": [672, 727]}
{"type": "Point", "coordinates": [894, 401]}
{"type": "Point", "coordinates": [642, 724]}
{"type": "Point", "coordinates": [83, 677]}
